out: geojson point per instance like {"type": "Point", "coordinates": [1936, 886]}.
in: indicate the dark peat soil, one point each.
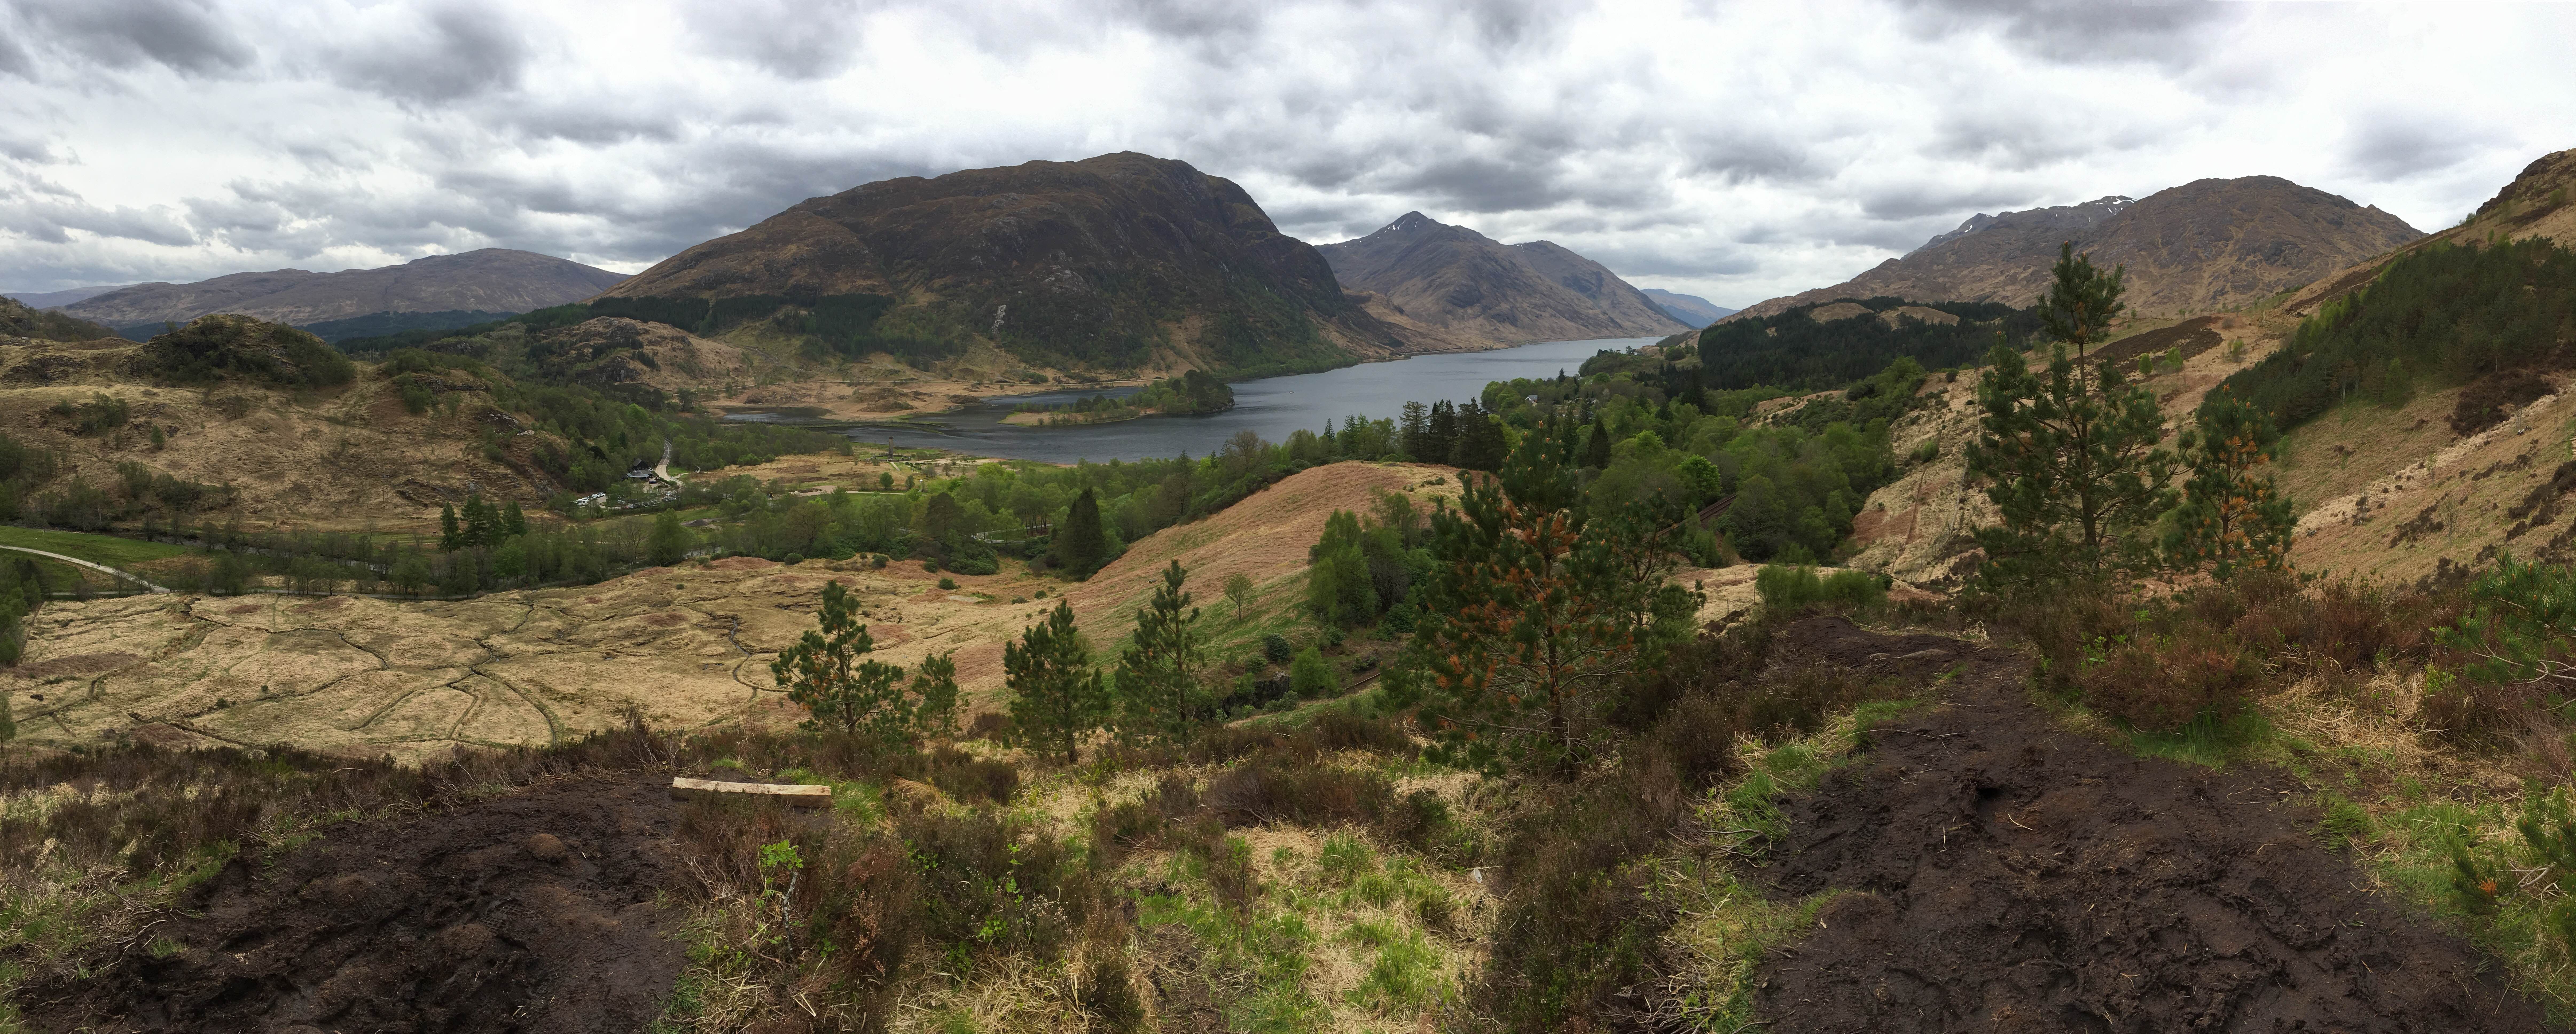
{"type": "Point", "coordinates": [532, 912]}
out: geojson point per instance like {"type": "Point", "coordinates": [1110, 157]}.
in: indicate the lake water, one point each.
{"type": "Point", "coordinates": [1273, 407]}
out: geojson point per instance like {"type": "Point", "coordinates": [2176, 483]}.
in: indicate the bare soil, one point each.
{"type": "Point", "coordinates": [531, 912]}
{"type": "Point", "coordinates": [2004, 874]}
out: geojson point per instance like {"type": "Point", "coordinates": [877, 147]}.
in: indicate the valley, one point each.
{"type": "Point", "coordinates": [1500, 650]}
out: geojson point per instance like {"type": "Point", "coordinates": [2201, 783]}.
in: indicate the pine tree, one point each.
{"type": "Point", "coordinates": [1481, 445]}
{"type": "Point", "coordinates": [827, 672]}
{"type": "Point", "coordinates": [482, 522]}
{"type": "Point", "coordinates": [2232, 518]}
{"type": "Point", "coordinates": [1531, 618]}
{"type": "Point", "coordinates": [2070, 456]}
{"type": "Point", "coordinates": [1440, 434]}
{"type": "Point", "coordinates": [513, 522]}
{"type": "Point", "coordinates": [1596, 446]}
{"type": "Point", "coordinates": [1057, 698]}
{"type": "Point", "coordinates": [1413, 430]}
{"type": "Point", "coordinates": [1158, 677]}
{"type": "Point", "coordinates": [450, 537]}
{"type": "Point", "coordinates": [1081, 545]}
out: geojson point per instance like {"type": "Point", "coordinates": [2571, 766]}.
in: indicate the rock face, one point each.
{"type": "Point", "coordinates": [1119, 261]}
{"type": "Point", "coordinates": [1693, 310]}
{"type": "Point", "coordinates": [489, 280]}
{"type": "Point", "coordinates": [2206, 245]}
{"type": "Point", "coordinates": [1455, 279]}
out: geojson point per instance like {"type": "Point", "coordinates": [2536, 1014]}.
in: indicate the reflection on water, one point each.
{"type": "Point", "coordinates": [1272, 407]}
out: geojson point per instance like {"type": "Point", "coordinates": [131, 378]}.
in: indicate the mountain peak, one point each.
{"type": "Point", "coordinates": [1411, 222]}
{"type": "Point", "coordinates": [1463, 282]}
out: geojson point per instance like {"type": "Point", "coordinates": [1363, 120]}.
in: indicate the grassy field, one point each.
{"type": "Point", "coordinates": [97, 549]}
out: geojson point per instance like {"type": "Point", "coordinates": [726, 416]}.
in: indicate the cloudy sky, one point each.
{"type": "Point", "coordinates": [1732, 151]}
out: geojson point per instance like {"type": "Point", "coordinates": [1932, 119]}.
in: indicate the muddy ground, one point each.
{"type": "Point", "coordinates": [2004, 874]}
{"type": "Point", "coordinates": [533, 912]}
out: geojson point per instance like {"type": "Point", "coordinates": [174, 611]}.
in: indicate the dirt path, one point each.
{"type": "Point", "coordinates": [112, 572]}
{"type": "Point", "coordinates": [2006, 875]}
{"type": "Point", "coordinates": [533, 912]}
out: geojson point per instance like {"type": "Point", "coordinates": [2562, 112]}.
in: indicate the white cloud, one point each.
{"type": "Point", "coordinates": [1730, 151]}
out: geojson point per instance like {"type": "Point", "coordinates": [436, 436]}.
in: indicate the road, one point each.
{"type": "Point", "coordinates": [111, 571]}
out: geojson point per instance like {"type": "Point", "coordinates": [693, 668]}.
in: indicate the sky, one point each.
{"type": "Point", "coordinates": [1732, 151]}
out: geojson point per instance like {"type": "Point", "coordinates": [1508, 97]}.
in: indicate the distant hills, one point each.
{"type": "Point", "coordinates": [1119, 262]}
{"type": "Point", "coordinates": [1456, 280]}
{"type": "Point", "coordinates": [437, 291]}
{"type": "Point", "coordinates": [18, 319]}
{"type": "Point", "coordinates": [66, 296]}
{"type": "Point", "coordinates": [1694, 311]}
{"type": "Point", "coordinates": [2206, 245]}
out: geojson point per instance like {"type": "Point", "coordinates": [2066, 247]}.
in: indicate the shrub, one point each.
{"type": "Point", "coordinates": [1311, 677]}
{"type": "Point", "coordinates": [2167, 682]}
{"type": "Point", "coordinates": [1788, 590]}
{"type": "Point", "coordinates": [1267, 790]}
{"type": "Point", "coordinates": [1275, 648]}
{"type": "Point", "coordinates": [948, 583]}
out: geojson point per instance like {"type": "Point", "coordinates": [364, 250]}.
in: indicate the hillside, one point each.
{"type": "Point", "coordinates": [460, 288]}
{"type": "Point", "coordinates": [1118, 263]}
{"type": "Point", "coordinates": [2534, 204]}
{"type": "Point", "coordinates": [1470, 285]}
{"type": "Point", "coordinates": [1692, 310]}
{"type": "Point", "coordinates": [2204, 246]}
{"type": "Point", "coordinates": [17, 319]}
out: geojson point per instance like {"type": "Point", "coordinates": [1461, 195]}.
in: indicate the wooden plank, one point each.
{"type": "Point", "coordinates": [791, 794]}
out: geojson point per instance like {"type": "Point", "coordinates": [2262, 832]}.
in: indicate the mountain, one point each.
{"type": "Point", "coordinates": [66, 296]}
{"type": "Point", "coordinates": [483, 283]}
{"type": "Point", "coordinates": [1456, 279]}
{"type": "Point", "coordinates": [2206, 245]}
{"type": "Point", "coordinates": [1694, 311]}
{"type": "Point", "coordinates": [1120, 262]}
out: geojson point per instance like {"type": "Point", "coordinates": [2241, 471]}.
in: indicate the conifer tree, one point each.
{"type": "Point", "coordinates": [2232, 518]}
{"type": "Point", "coordinates": [2070, 456]}
{"type": "Point", "coordinates": [1158, 677]}
{"type": "Point", "coordinates": [1481, 445]}
{"type": "Point", "coordinates": [1057, 699]}
{"type": "Point", "coordinates": [513, 522]}
{"type": "Point", "coordinates": [482, 522]}
{"type": "Point", "coordinates": [450, 537]}
{"type": "Point", "coordinates": [1081, 545]}
{"type": "Point", "coordinates": [1532, 618]}
{"type": "Point", "coordinates": [827, 672]}
{"type": "Point", "coordinates": [1596, 446]}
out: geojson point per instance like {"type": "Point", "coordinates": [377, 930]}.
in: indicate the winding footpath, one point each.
{"type": "Point", "coordinates": [103, 568]}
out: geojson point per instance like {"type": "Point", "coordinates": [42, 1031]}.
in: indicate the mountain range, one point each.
{"type": "Point", "coordinates": [1692, 310]}
{"type": "Point", "coordinates": [1118, 262]}
{"type": "Point", "coordinates": [457, 289]}
{"type": "Point", "coordinates": [2209, 244]}
{"type": "Point", "coordinates": [66, 296]}
{"type": "Point", "coordinates": [1457, 280]}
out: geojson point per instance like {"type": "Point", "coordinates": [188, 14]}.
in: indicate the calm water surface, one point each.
{"type": "Point", "coordinates": [1273, 407]}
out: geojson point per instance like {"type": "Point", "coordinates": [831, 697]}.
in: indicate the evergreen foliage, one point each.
{"type": "Point", "coordinates": [1536, 611]}
{"type": "Point", "coordinates": [827, 673]}
{"type": "Point", "coordinates": [1082, 545]}
{"type": "Point", "coordinates": [1793, 350]}
{"type": "Point", "coordinates": [2441, 314]}
{"type": "Point", "coordinates": [1158, 672]}
{"type": "Point", "coordinates": [2071, 457]}
{"type": "Point", "coordinates": [2232, 518]}
{"type": "Point", "coordinates": [1057, 699]}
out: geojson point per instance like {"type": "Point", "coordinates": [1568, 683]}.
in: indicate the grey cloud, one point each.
{"type": "Point", "coordinates": [124, 33]}
{"type": "Point", "coordinates": [1477, 184]}
{"type": "Point", "coordinates": [51, 218]}
{"type": "Point", "coordinates": [824, 40]}
{"type": "Point", "coordinates": [460, 50]}
{"type": "Point", "coordinates": [2082, 31]}
{"type": "Point", "coordinates": [2387, 146]}
{"type": "Point", "coordinates": [1914, 201]}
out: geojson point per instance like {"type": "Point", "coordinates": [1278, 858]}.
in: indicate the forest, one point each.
{"type": "Point", "coordinates": [2439, 316]}
{"type": "Point", "coordinates": [1797, 351]}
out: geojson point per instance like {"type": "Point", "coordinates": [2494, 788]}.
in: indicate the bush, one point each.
{"type": "Point", "coordinates": [2167, 682]}
{"type": "Point", "coordinates": [1788, 590]}
{"type": "Point", "coordinates": [1311, 677]}
{"type": "Point", "coordinates": [948, 583]}
{"type": "Point", "coordinates": [1267, 790]}
{"type": "Point", "coordinates": [1275, 648]}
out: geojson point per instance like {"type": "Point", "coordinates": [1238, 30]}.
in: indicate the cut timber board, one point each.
{"type": "Point", "coordinates": [791, 794]}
